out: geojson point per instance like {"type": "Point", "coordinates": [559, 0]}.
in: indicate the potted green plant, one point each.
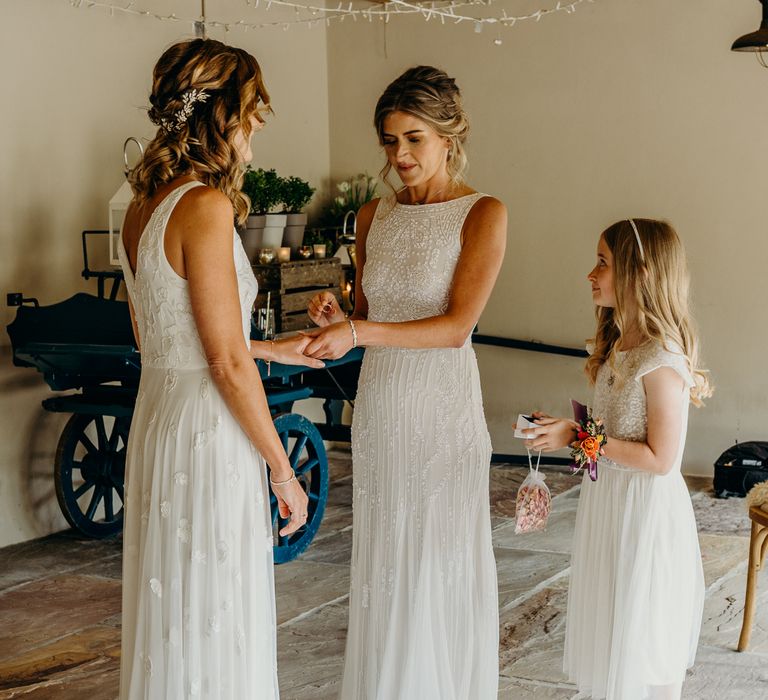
{"type": "Point", "coordinates": [264, 228]}
{"type": "Point", "coordinates": [296, 194]}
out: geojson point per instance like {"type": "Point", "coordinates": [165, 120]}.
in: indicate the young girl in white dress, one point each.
{"type": "Point", "coordinates": [637, 586]}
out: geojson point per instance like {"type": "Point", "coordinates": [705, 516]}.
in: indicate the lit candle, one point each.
{"type": "Point", "coordinates": [345, 297]}
{"type": "Point", "coordinates": [319, 249]}
{"type": "Point", "coordinates": [284, 254]}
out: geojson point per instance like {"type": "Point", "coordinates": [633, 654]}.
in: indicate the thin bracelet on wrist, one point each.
{"type": "Point", "coordinates": [283, 483]}
{"type": "Point", "coordinates": [354, 332]}
{"type": "Point", "coordinates": [272, 352]}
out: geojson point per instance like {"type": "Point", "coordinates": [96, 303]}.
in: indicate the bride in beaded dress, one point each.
{"type": "Point", "coordinates": [198, 595]}
{"type": "Point", "coordinates": [423, 611]}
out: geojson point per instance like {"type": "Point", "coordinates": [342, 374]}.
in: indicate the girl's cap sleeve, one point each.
{"type": "Point", "coordinates": [656, 356]}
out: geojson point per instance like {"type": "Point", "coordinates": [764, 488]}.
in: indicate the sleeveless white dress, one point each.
{"type": "Point", "coordinates": [637, 586]}
{"type": "Point", "coordinates": [198, 591]}
{"type": "Point", "coordinates": [423, 619]}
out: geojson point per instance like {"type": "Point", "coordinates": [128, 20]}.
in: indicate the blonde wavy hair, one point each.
{"type": "Point", "coordinates": [203, 145]}
{"type": "Point", "coordinates": [657, 283]}
{"type": "Point", "coordinates": [428, 94]}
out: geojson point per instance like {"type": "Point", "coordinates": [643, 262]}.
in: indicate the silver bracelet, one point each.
{"type": "Point", "coordinates": [283, 483]}
{"type": "Point", "coordinates": [354, 332]}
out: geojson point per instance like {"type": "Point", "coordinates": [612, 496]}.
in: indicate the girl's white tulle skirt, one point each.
{"type": "Point", "coordinates": [637, 586]}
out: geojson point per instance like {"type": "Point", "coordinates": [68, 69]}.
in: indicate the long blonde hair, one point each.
{"type": "Point", "coordinates": [652, 275]}
{"type": "Point", "coordinates": [428, 94]}
{"type": "Point", "coordinates": [203, 145]}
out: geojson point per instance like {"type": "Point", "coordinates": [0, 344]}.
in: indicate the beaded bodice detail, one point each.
{"type": "Point", "coordinates": [160, 297]}
{"type": "Point", "coordinates": [411, 254]}
{"type": "Point", "coordinates": [619, 393]}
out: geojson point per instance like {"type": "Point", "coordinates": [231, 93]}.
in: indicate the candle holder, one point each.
{"type": "Point", "coordinates": [266, 255]}
{"type": "Point", "coordinates": [305, 252]}
{"type": "Point", "coordinates": [319, 250]}
{"type": "Point", "coordinates": [284, 254]}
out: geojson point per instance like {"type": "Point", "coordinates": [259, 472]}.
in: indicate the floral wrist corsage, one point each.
{"type": "Point", "coordinates": [589, 444]}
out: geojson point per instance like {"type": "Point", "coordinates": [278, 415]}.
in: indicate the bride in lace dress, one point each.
{"type": "Point", "coordinates": [423, 618]}
{"type": "Point", "coordinates": [198, 592]}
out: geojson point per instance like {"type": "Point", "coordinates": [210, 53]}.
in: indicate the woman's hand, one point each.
{"type": "Point", "coordinates": [291, 501]}
{"type": "Point", "coordinates": [329, 343]}
{"type": "Point", "coordinates": [551, 433]}
{"type": "Point", "coordinates": [324, 309]}
{"type": "Point", "coordinates": [290, 351]}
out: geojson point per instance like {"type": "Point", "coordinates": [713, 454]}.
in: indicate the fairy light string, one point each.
{"type": "Point", "coordinates": [451, 11]}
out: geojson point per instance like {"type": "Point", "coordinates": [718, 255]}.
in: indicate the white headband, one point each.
{"type": "Point", "coordinates": [637, 238]}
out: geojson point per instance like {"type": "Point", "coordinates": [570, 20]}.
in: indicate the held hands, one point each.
{"type": "Point", "coordinates": [291, 501]}
{"type": "Point", "coordinates": [292, 351]}
{"type": "Point", "coordinates": [324, 309]}
{"type": "Point", "coordinates": [331, 342]}
{"type": "Point", "coordinates": [551, 434]}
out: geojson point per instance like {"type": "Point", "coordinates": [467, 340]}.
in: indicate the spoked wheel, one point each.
{"type": "Point", "coordinates": [306, 454]}
{"type": "Point", "coordinates": [90, 471]}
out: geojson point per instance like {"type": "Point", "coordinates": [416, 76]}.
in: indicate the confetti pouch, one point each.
{"type": "Point", "coordinates": [534, 501]}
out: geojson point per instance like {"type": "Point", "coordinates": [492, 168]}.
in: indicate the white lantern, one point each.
{"type": "Point", "coordinates": [118, 205]}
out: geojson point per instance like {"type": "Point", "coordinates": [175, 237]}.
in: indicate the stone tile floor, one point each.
{"type": "Point", "coordinates": [60, 605]}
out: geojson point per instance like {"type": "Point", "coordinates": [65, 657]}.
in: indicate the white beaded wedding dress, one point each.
{"type": "Point", "coordinates": [198, 591]}
{"type": "Point", "coordinates": [423, 620]}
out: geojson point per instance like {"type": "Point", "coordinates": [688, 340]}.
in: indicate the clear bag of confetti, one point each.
{"type": "Point", "coordinates": [534, 501]}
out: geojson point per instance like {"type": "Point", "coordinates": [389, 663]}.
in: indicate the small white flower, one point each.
{"type": "Point", "coordinates": [165, 509]}
{"type": "Point", "coordinates": [343, 187]}
{"type": "Point", "coordinates": [173, 429]}
{"type": "Point", "coordinates": [339, 201]}
{"type": "Point", "coordinates": [184, 531]}
{"type": "Point", "coordinates": [226, 605]}
{"type": "Point", "coordinates": [199, 556]}
{"type": "Point", "coordinates": [148, 665]}
{"type": "Point", "coordinates": [213, 625]}
{"type": "Point", "coordinates": [204, 388]}
{"type": "Point", "coordinates": [194, 687]}
{"type": "Point", "coordinates": [222, 551]}
{"type": "Point", "coordinates": [200, 440]}
{"type": "Point", "coordinates": [180, 478]}
{"type": "Point", "coordinates": [156, 587]}
{"type": "Point", "coordinates": [170, 381]}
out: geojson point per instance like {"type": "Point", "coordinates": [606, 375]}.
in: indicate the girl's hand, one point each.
{"type": "Point", "coordinates": [291, 501]}
{"type": "Point", "coordinates": [290, 351]}
{"type": "Point", "coordinates": [329, 343]}
{"type": "Point", "coordinates": [324, 309]}
{"type": "Point", "coordinates": [551, 434]}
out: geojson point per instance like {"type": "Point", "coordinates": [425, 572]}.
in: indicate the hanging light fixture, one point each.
{"type": "Point", "coordinates": [757, 42]}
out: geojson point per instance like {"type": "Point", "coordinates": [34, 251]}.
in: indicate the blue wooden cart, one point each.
{"type": "Point", "coordinates": [84, 348]}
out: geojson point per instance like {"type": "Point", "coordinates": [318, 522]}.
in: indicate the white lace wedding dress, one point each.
{"type": "Point", "coordinates": [423, 621]}
{"type": "Point", "coordinates": [637, 587]}
{"type": "Point", "coordinates": [198, 592]}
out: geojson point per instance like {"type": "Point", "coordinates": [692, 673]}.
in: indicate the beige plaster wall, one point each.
{"type": "Point", "coordinates": [622, 109]}
{"type": "Point", "coordinates": [74, 85]}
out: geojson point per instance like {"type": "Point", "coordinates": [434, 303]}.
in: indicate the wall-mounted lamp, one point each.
{"type": "Point", "coordinates": [756, 42]}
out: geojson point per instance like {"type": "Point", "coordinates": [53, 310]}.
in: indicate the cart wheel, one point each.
{"type": "Point", "coordinates": [306, 454]}
{"type": "Point", "coordinates": [89, 473]}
